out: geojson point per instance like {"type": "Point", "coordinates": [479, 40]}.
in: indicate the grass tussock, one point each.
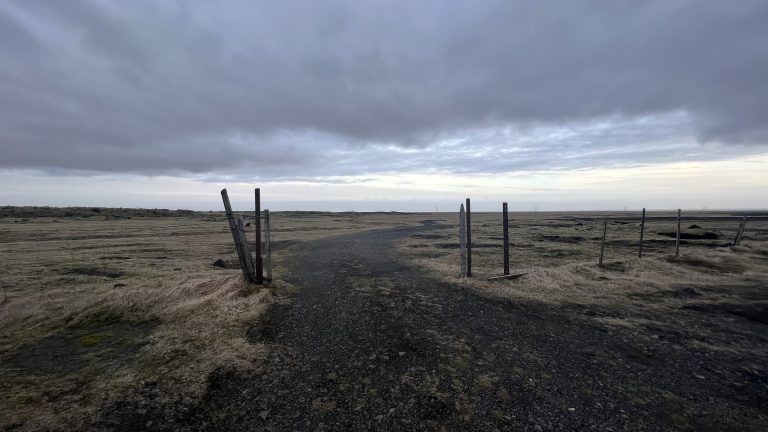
{"type": "Point", "coordinates": [200, 327]}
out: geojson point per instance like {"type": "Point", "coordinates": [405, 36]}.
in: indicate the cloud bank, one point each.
{"type": "Point", "coordinates": [297, 89]}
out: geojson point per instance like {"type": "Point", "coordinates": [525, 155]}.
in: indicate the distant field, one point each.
{"type": "Point", "coordinates": [556, 248]}
{"type": "Point", "coordinates": [96, 303]}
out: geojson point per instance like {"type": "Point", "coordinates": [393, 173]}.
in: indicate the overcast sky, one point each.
{"type": "Point", "coordinates": [390, 105]}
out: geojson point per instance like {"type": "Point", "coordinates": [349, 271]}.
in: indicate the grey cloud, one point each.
{"type": "Point", "coordinates": [334, 88]}
{"type": "Point", "coordinates": [608, 143]}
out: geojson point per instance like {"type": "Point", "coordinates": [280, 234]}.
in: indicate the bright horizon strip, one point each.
{"type": "Point", "coordinates": [739, 183]}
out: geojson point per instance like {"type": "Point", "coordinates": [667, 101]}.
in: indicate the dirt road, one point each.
{"type": "Point", "coordinates": [369, 343]}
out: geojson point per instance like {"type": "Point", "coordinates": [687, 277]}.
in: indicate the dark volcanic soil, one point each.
{"type": "Point", "coordinates": [369, 343]}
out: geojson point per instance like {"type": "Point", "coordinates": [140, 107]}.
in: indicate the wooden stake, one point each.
{"type": "Point", "coordinates": [243, 238]}
{"type": "Point", "coordinates": [740, 232]}
{"type": "Point", "coordinates": [677, 237]}
{"type": "Point", "coordinates": [257, 221]}
{"type": "Point", "coordinates": [642, 231]}
{"type": "Point", "coordinates": [235, 235]}
{"type": "Point", "coordinates": [462, 242]}
{"type": "Point", "coordinates": [602, 245]}
{"type": "Point", "coordinates": [505, 228]}
{"type": "Point", "coordinates": [267, 248]}
{"type": "Point", "coordinates": [233, 229]}
{"type": "Point", "coordinates": [469, 240]}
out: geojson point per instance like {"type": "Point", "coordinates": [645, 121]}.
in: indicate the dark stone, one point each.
{"type": "Point", "coordinates": [692, 235]}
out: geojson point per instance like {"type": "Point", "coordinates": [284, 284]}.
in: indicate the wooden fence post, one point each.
{"type": "Point", "coordinates": [677, 237]}
{"type": "Point", "coordinates": [642, 231]}
{"type": "Point", "coordinates": [257, 222]}
{"type": "Point", "coordinates": [236, 238]}
{"type": "Point", "coordinates": [267, 247]}
{"type": "Point", "coordinates": [462, 242]}
{"type": "Point", "coordinates": [505, 228]}
{"type": "Point", "coordinates": [740, 232]}
{"type": "Point", "coordinates": [233, 229]}
{"type": "Point", "coordinates": [602, 244]}
{"type": "Point", "coordinates": [243, 238]}
{"type": "Point", "coordinates": [469, 240]}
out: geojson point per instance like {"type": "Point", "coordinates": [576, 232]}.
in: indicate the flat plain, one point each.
{"type": "Point", "coordinates": [117, 317]}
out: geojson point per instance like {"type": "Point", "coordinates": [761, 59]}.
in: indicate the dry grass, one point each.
{"type": "Point", "coordinates": [79, 280]}
{"type": "Point", "coordinates": [559, 253]}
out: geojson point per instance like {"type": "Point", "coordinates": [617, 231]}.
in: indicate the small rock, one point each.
{"type": "Point", "coordinates": [220, 263]}
{"type": "Point", "coordinates": [119, 285]}
{"type": "Point", "coordinates": [401, 353]}
{"type": "Point", "coordinates": [264, 414]}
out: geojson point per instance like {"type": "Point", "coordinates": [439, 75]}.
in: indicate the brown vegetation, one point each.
{"type": "Point", "coordinates": [97, 309]}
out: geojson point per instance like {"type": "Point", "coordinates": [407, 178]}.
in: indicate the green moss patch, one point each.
{"type": "Point", "coordinates": [94, 338]}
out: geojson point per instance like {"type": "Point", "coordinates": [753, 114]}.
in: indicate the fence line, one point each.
{"type": "Point", "coordinates": [670, 218]}
{"type": "Point", "coordinates": [465, 233]}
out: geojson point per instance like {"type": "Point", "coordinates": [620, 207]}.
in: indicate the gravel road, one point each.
{"type": "Point", "coordinates": [367, 342]}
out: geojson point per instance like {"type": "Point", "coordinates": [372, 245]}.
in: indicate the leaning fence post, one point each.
{"type": "Point", "coordinates": [243, 238]}
{"type": "Point", "coordinates": [642, 231]}
{"type": "Point", "coordinates": [469, 240]}
{"type": "Point", "coordinates": [602, 244]}
{"type": "Point", "coordinates": [462, 242]}
{"type": "Point", "coordinates": [257, 222]}
{"type": "Point", "coordinates": [236, 236]}
{"type": "Point", "coordinates": [505, 228]}
{"type": "Point", "coordinates": [677, 237]}
{"type": "Point", "coordinates": [267, 247]}
{"type": "Point", "coordinates": [740, 232]}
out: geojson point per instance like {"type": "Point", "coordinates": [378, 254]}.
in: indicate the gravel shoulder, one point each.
{"type": "Point", "coordinates": [368, 342]}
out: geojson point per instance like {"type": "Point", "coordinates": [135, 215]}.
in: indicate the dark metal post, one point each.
{"type": "Point", "coordinates": [469, 240]}
{"type": "Point", "coordinates": [257, 221]}
{"type": "Point", "coordinates": [267, 247]}
{"type": "Point", "coordinates": [677, 237]}
{"type": "Point", "coordinates": [462, 242]}
{"type": "Point", "coordinates": [505, 227]}
{"type": "Point", "coordinates": [740, 231]}
{"type": "Point", "coordinates": [602, 245]}
{"type": "Point", "coordinates": [642, 231]}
